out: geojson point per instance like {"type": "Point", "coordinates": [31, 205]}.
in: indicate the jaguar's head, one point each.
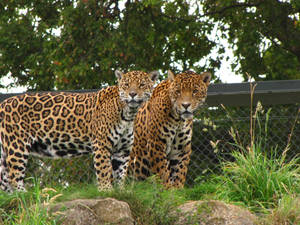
{"type": "Point", "coordinates": [188, 92]}
{"type": "Point", "coordinates": [135, 87]}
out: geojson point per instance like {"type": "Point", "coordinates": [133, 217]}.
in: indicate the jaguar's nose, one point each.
{"type": "Point", "coordinates": [132, 94]}
{"type": "Point", "coordinates": [185, 105]}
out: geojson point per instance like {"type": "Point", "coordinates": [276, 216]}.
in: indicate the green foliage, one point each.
{"type": "Point", "coordinates": [259, 176]}
{"type": "Point", "coordinates": [287, 212]}
{"type": "Point", "coordinates": [264, 34]}
{"type": "Point", "coordinates": [27, 208]}
{"type": "Point", "coordinates": [63, 171]}
{"type": "Point", "coordinates": [202, 190]}
{"type": "Point", "coordinates": [258, 180]}
{"type": "Point", "coordinates": [149, 202]}
{"type": "Point", "coordinates": [71, 44]}
{"type": "Point", "coordinates": [281, 64]}
{"type": "Point", "coordinates": [78, 44]}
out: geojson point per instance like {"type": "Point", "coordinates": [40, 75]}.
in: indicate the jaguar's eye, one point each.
{"type": "Point", "coordinates": [142, 85]}
{"type": "Point", "coordinates": [126, 85]}
{"type": "Point", "coordinates": [177, 92]}
{"type": "Point", "coordinates": [195, 91]}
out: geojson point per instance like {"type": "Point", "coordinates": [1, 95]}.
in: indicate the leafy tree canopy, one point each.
{"type": "Point", "coordinates": [69, 44]}
{"type": "Point", "coordinates": [265, 35]}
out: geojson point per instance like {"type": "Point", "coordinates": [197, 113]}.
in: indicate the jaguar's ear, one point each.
{"type": "Point", "coordinates": [171, 75]}
{"type": "Point", "coordinates": [118, 74]}
{"type": "Point", "coordinates": [206, 77]}
{"type": "Point", "coordinates": [154, 75]}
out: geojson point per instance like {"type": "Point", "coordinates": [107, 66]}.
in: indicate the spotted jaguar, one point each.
{"type": "Point", "coordinates": [163, 128]}
{"type": "Point", "coordinates": [61, 124]}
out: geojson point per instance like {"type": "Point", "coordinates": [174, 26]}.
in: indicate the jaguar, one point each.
{"type": "Point", "coordinates": [63, 124]}
{"type": "Point", "coordinates": [163, 128]}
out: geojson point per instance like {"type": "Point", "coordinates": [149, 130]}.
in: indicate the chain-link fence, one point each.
{"type": "Point", "coordinates": [218, 130]}
{"type": "Point", "coordinates": [221, 131]}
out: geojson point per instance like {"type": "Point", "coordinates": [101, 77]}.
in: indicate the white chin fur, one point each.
{"type": "Point", "coordinates": [186, 116]}
{"type": "Point", "coordinates": [133, 104]}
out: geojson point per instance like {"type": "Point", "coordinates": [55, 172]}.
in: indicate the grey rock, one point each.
{"type": "Point", "coordinates": [93, 212]}
{"type": "Point", "coordinates": [213, 213]}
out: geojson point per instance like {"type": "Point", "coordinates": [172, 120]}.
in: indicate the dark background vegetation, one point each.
{"type": "Point", "coordinates": [68, 44]}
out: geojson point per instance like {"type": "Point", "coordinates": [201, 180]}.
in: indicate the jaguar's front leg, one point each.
{"type": "Point", "coordinates": [103, 165]}
{"type": "Point", "coordinates": [120, 159]}
{"type": "Point", "coordinates": [120, 165]}
{"type": "Point", "coordinates": [180, 156]}
{"type": "Point", "coordinates": [179, 167]}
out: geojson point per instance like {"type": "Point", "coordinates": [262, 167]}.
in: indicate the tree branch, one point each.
{"type": "Point", "coordinates": [223, 10]}
{"type": "Point", "coordinates": [220, 11]}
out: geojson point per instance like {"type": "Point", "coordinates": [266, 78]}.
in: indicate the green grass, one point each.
{"type": "Point", "coordinates": [26, 208]}
{"type": "Point", "coordinates": [287, 212]}
{"type": "Point", "coordinates": [258, 178]}
{"type": "Point", "coordinates": [265, 184]}
{"type": "Point", "coordinates": [151, 204]}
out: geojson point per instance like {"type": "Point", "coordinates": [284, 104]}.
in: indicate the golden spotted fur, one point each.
{"type": "Point", "coordinates": [163, 128]}
{"type": "Point", "coordinates": [58, 124]}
